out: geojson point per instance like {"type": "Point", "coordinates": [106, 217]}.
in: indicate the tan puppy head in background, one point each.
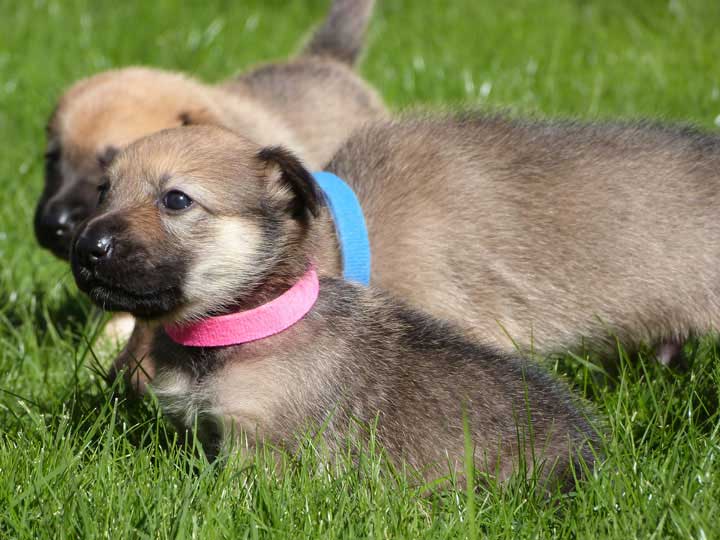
{"type": "Point", "coordinates": [309, 104]}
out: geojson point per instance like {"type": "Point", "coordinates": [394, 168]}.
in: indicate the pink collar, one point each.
{"type": "Point", "coordinates": [258, 323]}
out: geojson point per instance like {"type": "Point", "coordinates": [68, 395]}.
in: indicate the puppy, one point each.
{"type": "Point", "coordinates": [310, 104]}
{"type": "Point", "coordinates": [544, 235]}
{"type": "Point", "coordinates": [199, 222]}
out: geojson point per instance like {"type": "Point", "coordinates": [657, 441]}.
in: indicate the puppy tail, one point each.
{"type": "Point", "coordinates": [342, 34]}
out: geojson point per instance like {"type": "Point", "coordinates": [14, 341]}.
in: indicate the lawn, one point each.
{"type": "Point", "coordinates": [78, 461]}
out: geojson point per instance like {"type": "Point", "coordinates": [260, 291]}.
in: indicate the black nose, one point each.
{"type": "Point", "coordinates": [59, 222]}
{"type": "Point", "coordinates": [54, 228]}
{"type": "Point", "coordinates": [93, 247]}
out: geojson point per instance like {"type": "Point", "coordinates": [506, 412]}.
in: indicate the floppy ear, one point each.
{"type": "Point", "coordinates": [198, 117]}
{"type": "Point", "coordinates": [307, 196]}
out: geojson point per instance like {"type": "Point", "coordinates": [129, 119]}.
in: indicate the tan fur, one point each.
{"type": "Point", "coordinates": [544, 234]}
{"type": "Point", "coordinates": [238, 242]}
{"type": "Point", "coordinates": [118, 329]}
{"type": "Point", "coordinates": [118, 107]}
{"type": "Point", "coordinates": [322, 102]}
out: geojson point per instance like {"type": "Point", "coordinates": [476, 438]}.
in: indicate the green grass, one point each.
{"type": "Point", "coordinates": [75, 462]}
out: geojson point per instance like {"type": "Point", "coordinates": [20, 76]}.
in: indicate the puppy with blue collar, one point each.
{"type": "Point", "coordinates": [232, 251]}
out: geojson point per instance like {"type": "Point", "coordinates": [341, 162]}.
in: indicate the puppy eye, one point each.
{"type": "Point", "coordinates": [102, 192]}
{"type": "Point", "coordinates": [176, 200]}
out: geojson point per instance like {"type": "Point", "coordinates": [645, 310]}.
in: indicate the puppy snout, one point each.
{"type": "Point", "coordinates": [60, 222]}
{"type": "Point", "coordinates": [55, 226]}
{"type": "Point", "coordinates": [94, 246]}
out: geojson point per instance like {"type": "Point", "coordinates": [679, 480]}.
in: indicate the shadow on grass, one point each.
{"type": "Point", "coordinates": [82, 403]}
{"type": "Point", "coordinates": [90, 415]}
{"type": "Point", "coordinates": [660, 396]}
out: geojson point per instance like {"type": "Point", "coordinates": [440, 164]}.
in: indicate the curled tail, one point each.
{"type": "Point", "coordinates": [342, 34]}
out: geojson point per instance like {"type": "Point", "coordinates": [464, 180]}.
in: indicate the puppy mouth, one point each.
{"type": "Point", "coordinates": [147, 304]}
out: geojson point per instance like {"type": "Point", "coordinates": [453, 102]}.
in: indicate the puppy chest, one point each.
{"type": "Point", "coordinates": [188, 403]}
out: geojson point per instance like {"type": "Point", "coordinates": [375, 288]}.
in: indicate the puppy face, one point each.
{"type": "Point", "coordinates": [190, 222]}
{"type": "Point", "coordinates": [94, 120]}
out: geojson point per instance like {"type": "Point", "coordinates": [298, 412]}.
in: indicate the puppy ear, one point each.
{"type": "Point", "coordinates": [306, 193]}
{"type": "Point", "coordinates": [197, 117]}
{"type": "Point", "coordinates": [107, 155]}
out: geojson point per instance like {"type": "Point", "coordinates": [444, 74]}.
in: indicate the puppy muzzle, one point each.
{"type": "Point", "coordinates": [120, 276]}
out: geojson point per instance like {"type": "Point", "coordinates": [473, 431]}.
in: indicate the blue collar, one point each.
{"type": "Point", "coordinates": [349, 225]}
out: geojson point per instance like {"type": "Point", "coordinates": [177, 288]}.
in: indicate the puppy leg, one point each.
{"type": "Point", "coordinates": [134, 361]}
{"type": "Point", "coordinates": [669, 352]}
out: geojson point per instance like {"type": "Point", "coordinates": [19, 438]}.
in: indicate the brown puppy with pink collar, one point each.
{"type": "Point", "coordinates": [199, 229]}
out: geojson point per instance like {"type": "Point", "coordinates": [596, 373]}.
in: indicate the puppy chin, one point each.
{"type": "Point", "coordinates": [149, 306]}
{"type": "Point", "coordinates": [146, 304]}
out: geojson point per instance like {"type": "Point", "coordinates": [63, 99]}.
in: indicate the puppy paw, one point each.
{"type": "Point", "coordinates": [118, 329]}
